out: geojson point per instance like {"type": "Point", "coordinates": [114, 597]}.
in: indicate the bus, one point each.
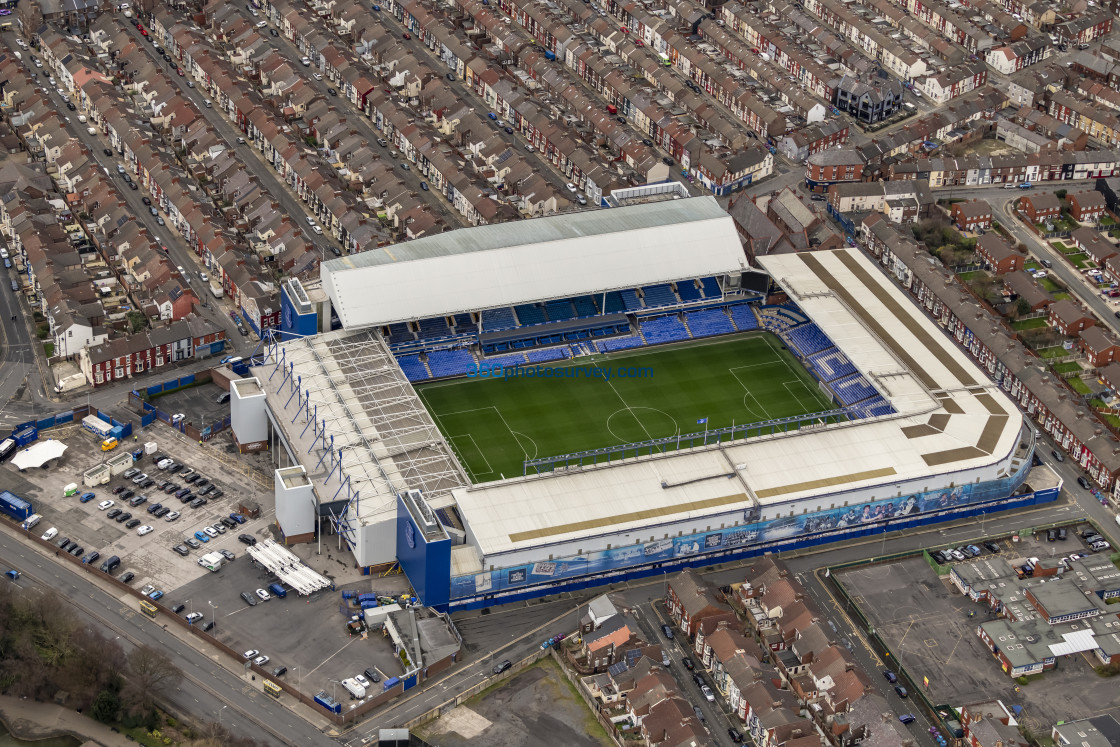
{"type": "Point", "coordinates": [148, 608]}
{"type": "Point", "coordinates": [271, 688]}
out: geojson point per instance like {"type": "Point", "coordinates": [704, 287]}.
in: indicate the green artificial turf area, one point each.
{"type": "Point", "coordinates": [494, 424]}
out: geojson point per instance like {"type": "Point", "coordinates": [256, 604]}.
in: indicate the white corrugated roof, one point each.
{"type": "Point", "coordinates": [533, 260]}
{"type": "Point", "coordinates": [1074, 642]}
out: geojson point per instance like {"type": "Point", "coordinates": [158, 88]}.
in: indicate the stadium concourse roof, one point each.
{"type": "Point", "coordinates": [950, 418]}
{"type": "Point", "coordinates": [533, 260]}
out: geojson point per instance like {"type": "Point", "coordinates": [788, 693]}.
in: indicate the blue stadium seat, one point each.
{"type": "Point", "coordinates": [619, 343]}
{"type": "Point", "coordinates": [400, 333]}
{"type": "Point", "coordinates": [413, 368]}
{"type": "Point", "coordinates": [853, 389]}
{"type": "Point", "coordinates": [743, 317]}
{"type": "Point", "coordinates": [495, 320]}
{"type": "Point", "coordinates": [831, 365]}
{"type": "Point", "coordinates": [530, 314]}
{"type": "Point", "coordinates": [450, 363]}
{"type": "Point", "coordinates": [708, 322]}
{"type": "Point", "coordinates": [630, 300]}
{"type": "Point", "coordinates": [688, 291]}
{"type": "Point", "coordinates": [432, 328]}
{"type": "Point", "coordinates": [463, 323]}
{"type": "Point", "coordinates": [660, 295]}
{"type": "Point", "coordinates": [710, 286]}
{"type": "Point", "coordinates": [560, 311]}
{"type": "Point", "coordinates": [585, 306]}
{"type": "Point", "coordinates": [808, 339]}
{"type": "Point", "coordinates": [548, 354]}
{"type": "Point", "coordinates": [664, 329]}
{"type": "Point", "coordinates": [614, 303]}
{"type": "Point", "coordinates": [513, 359]}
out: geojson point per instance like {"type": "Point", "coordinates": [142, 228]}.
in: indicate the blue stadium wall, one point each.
{"type": "Point", "coordinates": [293, 324]}
{"type": "Point", "coordinates": [426, 564]}
{"type": "Point", "coordinates": [432, 569]}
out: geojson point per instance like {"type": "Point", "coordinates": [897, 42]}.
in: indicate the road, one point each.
{"type": "Point", "coordinates": [207, 685]}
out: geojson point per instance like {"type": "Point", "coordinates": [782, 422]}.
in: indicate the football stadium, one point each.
{"type": "Point", "coordinates": [508, 411]}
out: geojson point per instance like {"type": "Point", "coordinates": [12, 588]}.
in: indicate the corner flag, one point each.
{"type": "Point", "coordinates": [702, 421]}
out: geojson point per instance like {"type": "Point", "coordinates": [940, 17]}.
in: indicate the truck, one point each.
{"type": "Point", "coordinates": [7, 448]}
{"type": "Point", "coordinates": [277, 590]}
{"type": "Point", "coordinates": [211, 561]}
{"type": "Point", "coordinates": [357, 692]}
{"type": "Point", "coordinates": [216, 288]}
{"type": "Point", "coordinates": [30, 521]}
{"type": "Point", "coordinates": [14, 506]}
{"type": "Point", "coordinates": [97, 425]}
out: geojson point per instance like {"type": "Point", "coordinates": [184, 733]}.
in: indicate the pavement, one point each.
{"type": "Point", "coordinates": [31, 720]}
{"type": "Point", "coordinates": [212, 685]}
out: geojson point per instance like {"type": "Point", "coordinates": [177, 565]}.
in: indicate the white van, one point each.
{"type": "Point", "coordinates": [30, 521]}
{"type": "Point", "coordinates": [1118, 519]}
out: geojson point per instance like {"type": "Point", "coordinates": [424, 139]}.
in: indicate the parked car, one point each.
{"type": "Point", "coordinates": [201, 536]}
{"type": "Point", "coordinates": [688, 664]}
{"type": "Point", "coordinates": [667, 631]}
{"type": "Point", "coordinates": [264, 595]}
{"type": "Point", "coordinates": [891, 676]}
{"type": "Point", "coordinates": [181, 550]}
{"type": "Point", "coordinates": [249, 599]}
{"type": "Point", "coordinates": [902, 693]}
{"type": "Point", "coordinates": [248, 539]}
{"type": "Point", "coordinates": [192, 542]}
{"type": "Point", "coordinates": [993, 548]}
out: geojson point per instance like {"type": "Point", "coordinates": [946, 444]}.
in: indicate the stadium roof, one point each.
{"type": "Point", "coordinates": [533, 260]}
{"type": "Point", "coordinates": [951, 418]}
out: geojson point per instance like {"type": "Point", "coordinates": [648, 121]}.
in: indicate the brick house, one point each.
{"type": "Point", "coordinates": [831, 166]}
{"type": "Point", "coordinates": [133, 355]}
{"type": "Point", "coordinates": [988, 725]}
{"type": "Point", "coordinates": [1041, 207]}
{"type": "Point", "coordinates": [998, 255]}
{"type": "Point", "coordinates": [1069, 318]}
{"type": "Point", "coordinates": [1087, 206]}
{"type": "Point", "coordinates": [690, 600]}
{"type": "Point", "coordinates": [601, 647]}
{"type": "Point", "coordinates": [1099, 347]}
{"type": "Point", "coordinates": [1023, 286]}
{"type": "Point", "coordinates": [972, 215]}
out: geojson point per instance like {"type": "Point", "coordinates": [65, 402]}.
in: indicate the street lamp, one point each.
{"type": "Point", "coordinates": [213, 610]}
{"type": "Point", "coordinates": [220, 714]}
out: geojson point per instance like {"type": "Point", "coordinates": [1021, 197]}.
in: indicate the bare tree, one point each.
{"type": "Point", "coordinates": [150, 674]}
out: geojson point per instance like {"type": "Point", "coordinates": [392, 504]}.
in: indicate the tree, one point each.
{"type": "Point", "coordinates": [106, 706]}
{"type": "Point", "coordinates": [1022, 307]}
{"type": "Point", "coordinates": [1060, 194]}
{"type": "Point", "coordinates": [150, 674]}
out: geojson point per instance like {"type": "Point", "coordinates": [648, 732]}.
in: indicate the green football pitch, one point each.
{"type": "Point", "coordinates": [494, 424]}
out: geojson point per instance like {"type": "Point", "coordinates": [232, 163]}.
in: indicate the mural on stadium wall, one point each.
{"type": "Point", "coordinates": [771, 530]}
